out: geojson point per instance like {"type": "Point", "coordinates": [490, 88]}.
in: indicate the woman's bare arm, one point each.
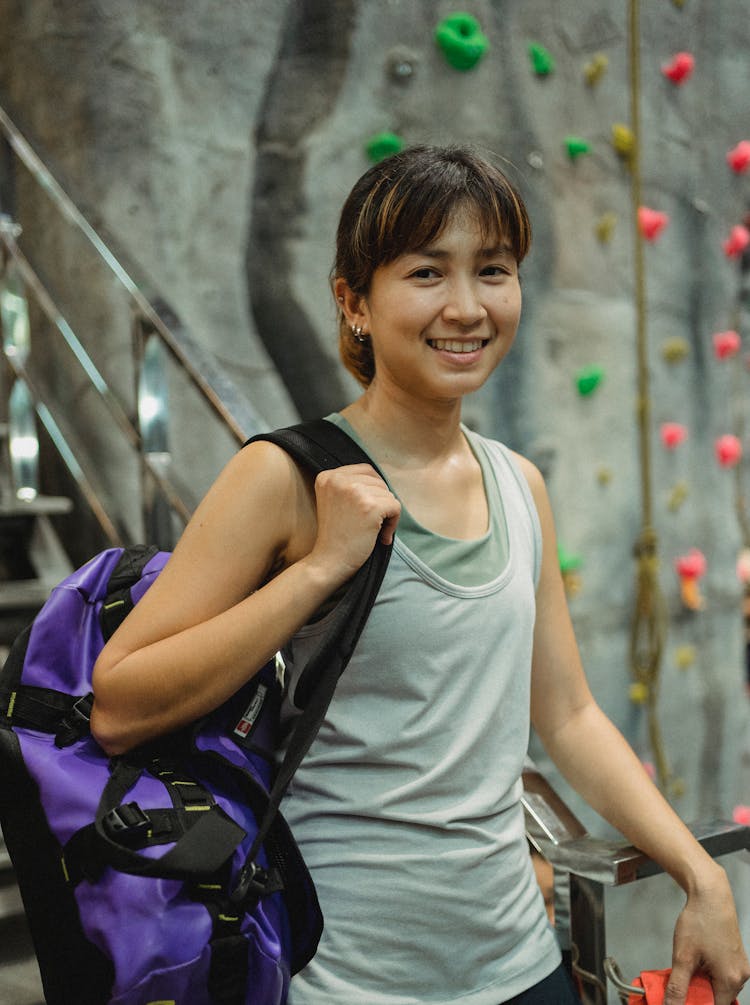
{"type": "Point", "coordinates": [214, 617]}
{"type": "Point", "coordinates": [595, 758]}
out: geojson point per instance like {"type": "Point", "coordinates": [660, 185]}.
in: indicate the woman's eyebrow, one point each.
{"type": "Point", "coordinates": [429, 252]}
{"type": "Point", "coordinates": [496, 249]}
{"type": "Point", "coordinates": [441, 253]}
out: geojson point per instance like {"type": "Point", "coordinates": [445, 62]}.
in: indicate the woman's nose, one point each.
{"type": "Point", "coordinates": [463, 305]}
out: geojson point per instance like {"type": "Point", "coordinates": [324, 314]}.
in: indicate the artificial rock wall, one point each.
{"type": "Point", "coordinates": [215, 144]}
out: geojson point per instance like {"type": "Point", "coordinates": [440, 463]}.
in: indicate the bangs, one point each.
{"type": "Point", "coordinates": [411, 214]}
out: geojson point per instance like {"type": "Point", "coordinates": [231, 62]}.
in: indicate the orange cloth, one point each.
{"type": "Point", "coordinates": [654, 982]}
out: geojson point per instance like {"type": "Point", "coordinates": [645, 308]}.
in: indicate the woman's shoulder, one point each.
{"type": "Point", "coordinates": [530, 472]}
{"type": "Point", "coordinates": [258, 512]}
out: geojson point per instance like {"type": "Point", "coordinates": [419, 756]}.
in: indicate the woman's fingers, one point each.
{"type": "Point", "coordinates": [354, 507]}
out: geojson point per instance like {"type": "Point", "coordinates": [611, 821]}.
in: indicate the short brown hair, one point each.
{"type": "Point", "coordinates": [403, 203]}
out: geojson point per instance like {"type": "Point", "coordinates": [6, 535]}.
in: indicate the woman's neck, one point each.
{"type": "Point", "coordinates": [404, 433]}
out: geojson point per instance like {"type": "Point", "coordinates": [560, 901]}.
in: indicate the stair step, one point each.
{"type": "Point", "coordinates": [20, 983]}
{"type": "Point", "coordinates": [12, 506]}
{"type": "Point", "coordinates": [11, 904]}
{"type": "Point", "coordinates": [23, 594]}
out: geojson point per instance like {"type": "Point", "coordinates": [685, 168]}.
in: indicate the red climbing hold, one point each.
{"type": "Point", "coordinates": [680, 67]}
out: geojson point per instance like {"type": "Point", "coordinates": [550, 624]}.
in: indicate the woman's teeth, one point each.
{"type": "Point", "coordinates": [451, 346]}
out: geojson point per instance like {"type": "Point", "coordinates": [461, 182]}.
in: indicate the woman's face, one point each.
{"type": "Point", "coordinates": [441, 318]}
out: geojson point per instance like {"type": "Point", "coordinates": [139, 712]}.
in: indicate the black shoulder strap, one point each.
{"type": "Point", "coordinates": [321, 445]}
{"type": "Point", "coordinates": [318, 444]}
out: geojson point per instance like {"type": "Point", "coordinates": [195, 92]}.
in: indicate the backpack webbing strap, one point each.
{"type": "Point", "coordinates": [205, 836]}
{"type": "Point", "coordinates": [45, 709]}
{"type": "Point", "coordinates": [229, 969]}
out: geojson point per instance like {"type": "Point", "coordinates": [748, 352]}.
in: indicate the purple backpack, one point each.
{"type": "Point", "coordinates": [166, 876]}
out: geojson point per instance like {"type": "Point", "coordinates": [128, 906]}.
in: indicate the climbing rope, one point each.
{"type": "Point", "coordinates": [649, 625]}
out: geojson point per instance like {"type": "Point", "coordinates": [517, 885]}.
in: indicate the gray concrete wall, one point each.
{"type": "Point", "coordinates": [215, 143]}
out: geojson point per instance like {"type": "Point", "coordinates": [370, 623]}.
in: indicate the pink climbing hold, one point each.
{"type": "Point", "coordinates": [738, 240]}
{"type": "Point", "coordinates": [692, 565]}
{"type": "Point", "coordinates": [651, 222]}
{"type": "Point", "coordinates": [743, 566]}
{"type": "Point", "coordinates": [726, 344]}
{"type": "Point", "coordinates": [673, 434]}
{"type": "Point", "coordinates": [690, 568]}
{"type": "Point", "coordinates": [679, 68]}
{"type": "Point", "coordinates": [738, 158]}
{"type": "Point", "coordinates": [728, 450]}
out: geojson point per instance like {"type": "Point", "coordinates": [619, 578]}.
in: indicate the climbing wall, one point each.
{"type": "Point", "coordinates": [215, 144]}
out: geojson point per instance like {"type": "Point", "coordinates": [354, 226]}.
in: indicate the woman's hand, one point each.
{"type": "Point", "coordinates": [707, 940]}
{"type": "Point", "coordinates": [354, 506]}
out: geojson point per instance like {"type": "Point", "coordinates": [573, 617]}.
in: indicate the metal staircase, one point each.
{"type": "Point", "coordinates": [37, 431]}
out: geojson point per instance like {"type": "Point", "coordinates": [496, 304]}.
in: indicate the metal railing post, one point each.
{"type": "Point", "coordinates": [588, 938]}
{"type": "Point", "coordinates": [152, 422]}
{"type": "Point", "coordinates": [7, 179]}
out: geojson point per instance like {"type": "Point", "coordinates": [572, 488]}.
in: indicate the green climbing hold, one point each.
{"type": "Point", "coordinates": [460, 38]}
{"type": "Point", "coordinates": [588, 379]}
{"type": "Point", "coordinates": [569, 561]}
{"type": "Point", "coordinates": [383, 145]}
{"type": "Point", "coordinates": [541, 60]}
{"type": "Point", "coordinates": [576, 146]}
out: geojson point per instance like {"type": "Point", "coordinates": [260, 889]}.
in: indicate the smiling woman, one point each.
{"type": "Point", "coordinates": [402, 205]}
{"type": "Point", "coordinates": [406, 807]}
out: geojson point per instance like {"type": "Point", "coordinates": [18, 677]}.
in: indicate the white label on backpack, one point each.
{"type": "Point", "coordinates": [252, 712]}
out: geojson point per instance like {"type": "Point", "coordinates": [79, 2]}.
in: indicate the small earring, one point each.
{"type": "Point", "coordinates": [358, 333]}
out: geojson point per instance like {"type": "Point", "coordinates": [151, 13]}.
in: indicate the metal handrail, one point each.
{"type": "Point", "coordinates": [171, 339]}
{"type": "Point", "coordinates": [52, 312]}
{"type": "Point", "coordinates": [150, 318]}
{"type": "Point", "coordinates": [589, 865]}
{"type": "Point", "coordinates": [55, 434]}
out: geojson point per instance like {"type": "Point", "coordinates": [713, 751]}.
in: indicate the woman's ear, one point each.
{"type": "Point", "coordinates": [350, 304]}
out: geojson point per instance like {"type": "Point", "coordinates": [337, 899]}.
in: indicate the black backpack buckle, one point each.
{"type": "Point", "coordinates": [252, 879]}
{"type": "Point", "coordinates": [126, 824]}
{"type": "Point", "coordinates": [76, 722]}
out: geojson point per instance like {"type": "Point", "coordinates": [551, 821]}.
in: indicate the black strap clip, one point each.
{"type": "Point", "coordinates": [76, 722]}
{"type": "Point", "coordinates": [126, 824]}
{"type": "Point", "coordinates": [252, 880]}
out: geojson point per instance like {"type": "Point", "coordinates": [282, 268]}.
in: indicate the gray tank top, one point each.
{"type": "Point", "coordinates": [406, 807]}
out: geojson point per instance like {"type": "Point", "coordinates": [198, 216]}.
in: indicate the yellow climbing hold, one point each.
{"type": "Point", "coordinates": [570, 565]}
{"type": "Point", "coordinates": [604, 475]}
{"type": "Point", "coordinates": [675, 349]}
{"type": "Point", "coordinates": [677, 787]}
{"type": "Point", "coordinates": [605, 227]}
{"type": "Point", "coordinates": [595, 69]}
{"type": "Point", "coordinates": [677, 496]}
{"type": "Point", "coordinates": [623, 140]}
{"type": "Point", "coordinates": [684, 657]}
{"type": "Point", "coordinates": [638, 692]}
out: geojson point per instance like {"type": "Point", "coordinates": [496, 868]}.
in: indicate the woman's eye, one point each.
{"type": "Point", "coordinates": [494, 270]}
{"type": "Point", "coordinates": [424, 273]}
